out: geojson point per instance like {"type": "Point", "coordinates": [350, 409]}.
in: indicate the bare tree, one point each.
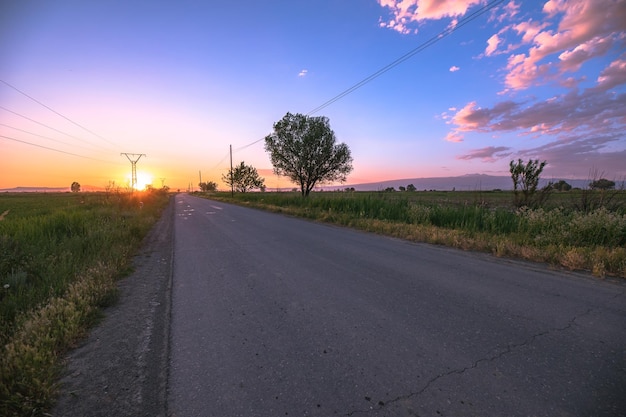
{"type": "Point", "coordinates": [525, 180]}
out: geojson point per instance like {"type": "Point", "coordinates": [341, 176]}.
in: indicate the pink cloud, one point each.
{"type": "Point", "coordinates": [488, 154]}
{"type": "Point", "coordinates": [454, 136]}
{"type": "Point", "coordinates": [614, 75]}
{"type": "Point", "coordinates": [454, 68]}
{"type": "Point", "coordinates": [492, 44]}
{"type": "Point", "coordinates": [529, 29]}
{"type": "Point", "coordinates": [510, 10]}
{"type": "Point", "coordinates": [587, 29]}
{"type": "Point", "coordinates": [580, 155]}
{"type": "Point", "coordinates": [404, 13]}
{"type": "Point", "coordinates": [587, 127]}
{"type": "Point", "coordinates": [437, 9]}
{"type": "Point", "coordinates": [573, 59]}
{"type": "Point", "coordinates": [594, 110]}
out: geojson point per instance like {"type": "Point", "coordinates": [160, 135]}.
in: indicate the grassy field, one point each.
{"type": "Point", "coordinates": [60, 257]}
{"type": "Point", "coordinates": [61, 254]}
{"type": "Point", "coordinates": [577, 230]}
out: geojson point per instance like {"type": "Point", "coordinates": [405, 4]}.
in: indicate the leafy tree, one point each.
{"type": "Point", "coordinates": [303, 148]}
{"type": "Point", "coordinates": [244, 178]}
{"type": "Point", "coordinates": [402, 188]}
{"type": "Point", "coordinates": [562, 186]}
{"type": "Point", "coordinates": [208, 186]}
{"type": "Point", "coordinates": [75, 187]}
{"type": "Point", "coordinates": [602, 184]}
{"type": "Point", "coordinates": [411, 187]}
{"type": "Point", "coordinates": [525, 179]}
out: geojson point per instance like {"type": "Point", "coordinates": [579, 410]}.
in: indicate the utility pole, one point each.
{"type": "Point", "coordinates": [232, 183]}
{"type": "Point", "coordinates": [162, 182]}
{"type": "Point", "coordinates": [133, 158]}
{"type": "Point", "coordinates": [200, 174]}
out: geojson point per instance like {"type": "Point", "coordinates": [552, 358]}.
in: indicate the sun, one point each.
{"type": "Point", "coordinates": [143, 180]}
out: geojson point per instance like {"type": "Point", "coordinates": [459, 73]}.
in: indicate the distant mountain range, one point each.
{"type": "Point", "coordinates": [470, 182]}
{"type": "Point", "coordinates": [47, 189]}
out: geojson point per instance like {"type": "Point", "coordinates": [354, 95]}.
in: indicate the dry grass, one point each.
{"type": "Point", "coordinates": [60, 258]}
{"type": "Point", "coordinates": [591, 241]}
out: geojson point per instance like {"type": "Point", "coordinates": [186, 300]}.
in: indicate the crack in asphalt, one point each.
{"type": "Point", "coordinates": [510, 348]}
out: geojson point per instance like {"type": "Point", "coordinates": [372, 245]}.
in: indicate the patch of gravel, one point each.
{"type": "Point", "coordinates": [121, 368]}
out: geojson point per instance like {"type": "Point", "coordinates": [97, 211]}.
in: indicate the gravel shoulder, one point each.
{"type": "Point", "coordinates": [121, 368]}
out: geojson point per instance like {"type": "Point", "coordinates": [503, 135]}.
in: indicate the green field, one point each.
{"type": "Point", "coordinates": [60, 257]}
{"type": "Point", "coordinates": [61, 254]}
{"type": "Point", "coordinates": [577, 230]}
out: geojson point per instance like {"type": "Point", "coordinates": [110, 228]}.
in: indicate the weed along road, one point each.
{"type": "Point", "coordinates": [277, 316]}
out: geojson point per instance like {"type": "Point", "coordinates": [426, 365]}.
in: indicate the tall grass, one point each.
{"type": "Point", "coordinates": [562, 235]}
{"type": "Point", "coordinates": [60, 256]}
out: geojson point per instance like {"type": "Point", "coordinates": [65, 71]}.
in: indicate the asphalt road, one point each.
{"type": "Point", "coordinates": [277, 316]}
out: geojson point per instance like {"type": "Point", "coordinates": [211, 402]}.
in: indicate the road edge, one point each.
{"type": "Point", "coordinates": [121, 368]}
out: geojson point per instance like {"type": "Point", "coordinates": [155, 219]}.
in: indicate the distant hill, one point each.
{"type": "Point", "coordinates": [35, 190]}
{"type": "Point", "coordinates": [470, 182]}
{"type": "Point", "coordinates": [48, 189]}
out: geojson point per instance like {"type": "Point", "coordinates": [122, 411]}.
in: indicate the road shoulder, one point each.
{"type": "Point", "coordinates": [121, 368]}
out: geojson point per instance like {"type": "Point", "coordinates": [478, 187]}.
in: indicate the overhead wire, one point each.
{"type": "Point", "coordinates": [52, 128]}
{"type": "Point", "coordinates": [57, 113]}
{"type": "Point", "coordinates": [449, 30]}
{"type": "Point", "coordinates": [446, 32]}
{"type": "Point", "coordinates": [53, 149]}
{"type": "Point", "coordinates": [45, 137]}
{"type": "Point", "coordinates": [248, 145]}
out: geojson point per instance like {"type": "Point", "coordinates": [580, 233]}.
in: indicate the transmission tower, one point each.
{"type": "Point", "coordinates": [133, 158]}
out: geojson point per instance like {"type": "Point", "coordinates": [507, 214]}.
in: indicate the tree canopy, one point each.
{"type": "Point", "coordinates": [244, 178]}
{"type": "Point", "coordinates": [208, 186]}
{"type": "Point", "coordinates": [602, 184]}
{"type": "Point", "coordinates": [303, 148]}
{"type": "Point", "coordinates": [75, 187]}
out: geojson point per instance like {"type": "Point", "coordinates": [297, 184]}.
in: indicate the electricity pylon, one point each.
{"type": "Point", "coordinates": [133, 158]}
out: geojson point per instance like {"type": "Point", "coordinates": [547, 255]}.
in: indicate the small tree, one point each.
{"type": "Point", "coordinates": [602, 184]}
{"type": "Point", "coordinates": [562, 186]}
{"type": "Point", "coordinates": [303, 148]}
{"type": "Point", "coordinates": [75, 187]}
{"type": "Point", "coordinates": [411, 188]}
{"type": "Point", "coordinates": [525, 179]}
{"type": "Point", "coordinates": [208, 186]}
{"type": "Point", "coordinates": [244, 178]}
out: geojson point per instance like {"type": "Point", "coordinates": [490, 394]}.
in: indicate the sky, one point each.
{"type": "Point", "coordinates": [415, 88]}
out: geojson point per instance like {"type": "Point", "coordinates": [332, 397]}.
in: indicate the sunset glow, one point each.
{"type": "Point", "coordinates": [79, 85]}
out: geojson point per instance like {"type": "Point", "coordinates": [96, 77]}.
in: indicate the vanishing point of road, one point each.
{"type": "Point", "coordinates": [278, 316]}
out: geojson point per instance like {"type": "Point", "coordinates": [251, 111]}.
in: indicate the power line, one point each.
{"type": "Point", "coordinates": [479, 12]}
{"type": "Point", "coordinates": [44, 137]}
{"type": "Point", "coordinates": [57, 113]}
{"type": "Point", "coordinates": [248, 145]}
{"type": "Point", "coordinates": [446, 32]}
{"type": "Point", "coordinates": [53, 149]}
{"type": "Point", "coordinates": [49, 127]}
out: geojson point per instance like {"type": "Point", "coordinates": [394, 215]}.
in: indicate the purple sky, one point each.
{"type": "Point", "coordinates": [181, 81]}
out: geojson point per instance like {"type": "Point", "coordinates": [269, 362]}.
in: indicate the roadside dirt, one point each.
{"type": "Point", "coordinates": [121, 368]}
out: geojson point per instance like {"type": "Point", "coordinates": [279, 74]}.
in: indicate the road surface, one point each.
{"type": "Point", "coordinates": [277, 316]}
